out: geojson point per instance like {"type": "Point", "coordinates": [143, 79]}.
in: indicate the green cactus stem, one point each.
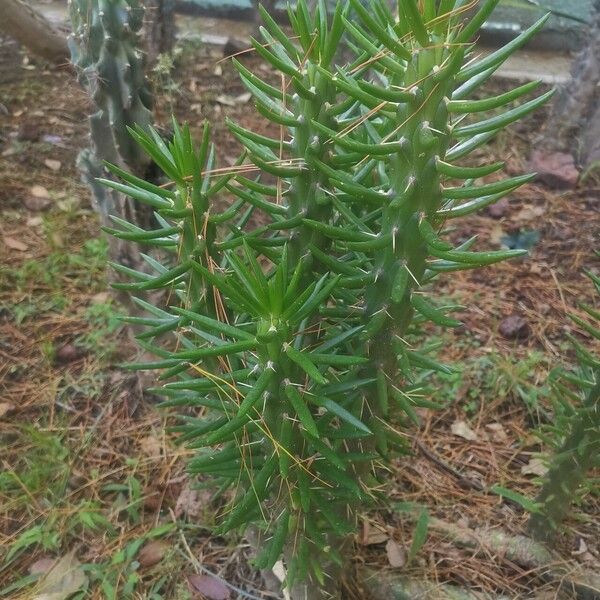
{"type": "Point", "coordinates": [578, 423]}
{"type": "Point", "coordinates": [298, 390]}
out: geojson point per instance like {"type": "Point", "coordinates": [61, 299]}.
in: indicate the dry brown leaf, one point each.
{"type": "Point", "coordinates": [64, 579]}
{"type": "Point", "coordinates": [210, 587]}
{"type": "Point", "coordinates": [152, 553]}
{"type": "Point", "coordinates": [42, 565]}
{"type": "Point", "coordinates": [536, 466]}
{"type": "Point", "coordinates": [396, 554]}
{"type": "Point", "coordinates": [280, 572]}
{"type": "Point", "coordinates": [151, 446]}
{"type": "Point", "coordinates": [530, 213]}
{"type": "Point", "coordinates": [497, 432]}
{"type": "Point", "coordinates": [191, 502]}
{"type": "Point", "coordinates": [496, 234]}
{"type": "Point", "coordinates": [14, 244]}
{"type": "Point", "coordinates": [5, 408]}
{"type": "Point", "coordinates": [461, 429]}
{"type": "Point", "coordinates": [583, 548]}
{"type": "Point", "coordinates": [372, 535]}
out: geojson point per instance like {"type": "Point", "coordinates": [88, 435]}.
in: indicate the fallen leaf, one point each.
{"type": "Point", "coordinates": [42, 566]}
{"type": "Point", "coordinates": [152, 553]}
{"type": "Point", "coordinates": [39, 191]}
{"type": "Point", "coordinates": [396, 554]}
{"type": "Point", "coordinates": [218, 71]}
{"type": "Point", "coordinates": [191, 502]}
{"type": "Point", "coordinates": [5, 408]}
{"type": "Point", "coordinates": [14, 244]}
{"type": "Point", "coordinates": [100, 298]}
{"type": "Point", "coordinates": [210, 587]}
{"type": "Point", "coordinates": [582, 548]}
{"type": "Point", "coordinates": [151, 446]}
{"type": "Point", "coordinates": [530, 213]}
{"type": "Point", "coordinates": [536, 466]}
{"type": "Point", "coordinates": [370, 535]}
{"type": "Point", "coordinates": [496, 234]}
{"type": "Point", "coordinates": [497, 432]}
{"type": "Point", "coordinates": [53, 165]}
{"type": "Point", "coordinates": [64, 579]}
{"type": "Point", "coordinates": [280, 572]}
{"type": "Point", "coordinates": [461, 429]}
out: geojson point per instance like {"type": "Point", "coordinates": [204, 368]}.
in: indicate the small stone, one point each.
{"type": "Point", "coordinates": [152, 553]}
{"type": "Point", "coordinates": [28, 132]}
{"type": "Point", "coordinates": [39, 191]}
{"type": "Point", "coordinates": [37, 203]}
{"type": "Point", "coordinates": [68, 353]}
{"type": "Point", "coordinates": [15, 244]}
{"type": "Point", "coordinates": [499, 209]}
{"type": "Point", "coordinates": [52, 139]}
{"type": "Point", "coordinates": [35, 221]}
{"type": "Point", "coordinates": [514, 327]}
{"type": "Point", "coordinates": [53, 165]}
{"type": "Point", "coordinates": [555, 169]}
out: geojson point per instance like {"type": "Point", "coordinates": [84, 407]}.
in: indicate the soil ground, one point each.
{"type": "Point", "coordinates": [86, 465]}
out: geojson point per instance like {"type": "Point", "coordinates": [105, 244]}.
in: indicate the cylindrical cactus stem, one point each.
{"type": "Point", "coordinates": [308, 194]}
{"type": "Point", "coordinates": [105, 49]}
{"type": "Point", "coordinates": [415, 192]}
{"type": "Point", "coordinates": [568, 469]}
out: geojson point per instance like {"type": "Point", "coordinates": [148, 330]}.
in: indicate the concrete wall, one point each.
{"type": "Point", "coordinates": [508, 20]}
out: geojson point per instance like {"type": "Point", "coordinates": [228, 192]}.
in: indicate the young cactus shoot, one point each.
{"type": "Point", "coordinates": [293, 350]}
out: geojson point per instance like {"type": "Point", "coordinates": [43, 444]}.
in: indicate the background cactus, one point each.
{"type": "Point", "coordinates": [314, 362]}
{"type": "Point", "coordinates": [576, 430]}
{"type": "Point", "coordinates": [106, 50]}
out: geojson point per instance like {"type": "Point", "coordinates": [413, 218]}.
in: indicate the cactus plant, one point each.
{"type": "Point", "coordinates": [311, 362]}
{"type": "Point", "coordinates": [105, 49]}
{"type": "Point", "coordinates": [576, 431]}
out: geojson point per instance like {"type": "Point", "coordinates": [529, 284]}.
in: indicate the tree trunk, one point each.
{"type": "Point", "coordinates": [574, 122]}
{"type": "Point", "coordinates": [159, 28]}
{"type": "Point", "coordinates": [32, 30]}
